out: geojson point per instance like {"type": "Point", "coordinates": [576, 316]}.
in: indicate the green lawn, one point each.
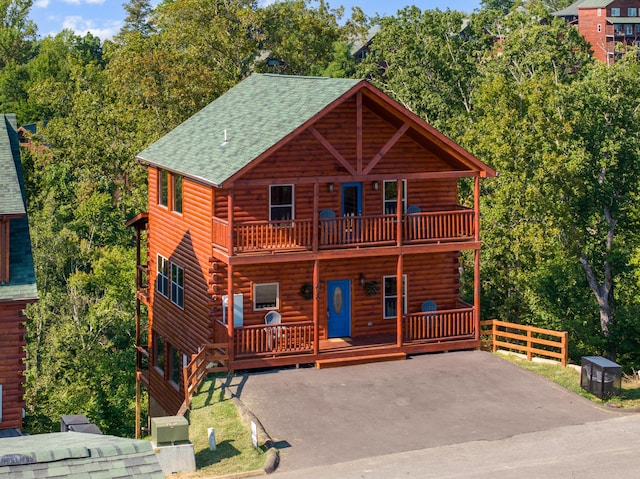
{"type": "Point", "coordinates": [235, 452]}
{"type": "Point", "coordinates": [570, 378]}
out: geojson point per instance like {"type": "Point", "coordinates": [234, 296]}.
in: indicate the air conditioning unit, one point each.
{"type": "Point", "coordinates": [600, 376]}
{"type": "Point", "coordinates": [169, 430]}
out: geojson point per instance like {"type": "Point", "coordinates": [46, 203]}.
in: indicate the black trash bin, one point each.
{"type": "Point", "coordinates": [601, 376]}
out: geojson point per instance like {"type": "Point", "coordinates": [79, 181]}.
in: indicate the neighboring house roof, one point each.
{"type": "Point", "coordinates": [260, 113]}
{"type": "Point", "coordinates": [255, 114]}
{"type": "Point", "coordinates": [595, 3]}
{"type": "Point", "coordinates": [77, 455]}
{"type": "Point", "coordinates": [22, 281]}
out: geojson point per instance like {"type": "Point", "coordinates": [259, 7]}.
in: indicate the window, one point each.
{"type": "Point", "coordinates": [615, 12]}
{"type": "Point", "coordinates": [628, 29]}
{"type": "Point", "coordinates": [266, 296]}
{"type": "Point", "coordinates": [599, 28]}
{"type": "Point", "coordinates": [163, 188]}
{"type": "Point", "coordinates": [632, 12]}
{"type": "Point", "coordinates": [390, 190]}
{"type": "Point", "coordinates": [175, 362]}
{"type": "Point", "coordinates": [637, 27]}
{"type": "Point", "coordinates": [390, 296]}
{"type": "Point", "coordinates": [176, 203]}
{"type": "Point", "coordinates": [162, 278]}
{"type": "Point", "coordinates": [177, 285]}
{"type": "Point", "coordinates": [281, 202]}
{"type": "Point", "coordinates": [158, 357]}
{"type": "Point", "coordinates": [599, 12]}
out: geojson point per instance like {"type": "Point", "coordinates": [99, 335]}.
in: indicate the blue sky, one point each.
{"type": "Point", "coordinates": [104, 18]}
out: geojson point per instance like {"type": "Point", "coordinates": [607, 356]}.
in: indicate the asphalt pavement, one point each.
{"type": "Point", "coordinates": [356, 415]}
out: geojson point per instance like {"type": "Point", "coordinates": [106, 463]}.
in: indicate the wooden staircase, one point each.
{"type": "Point", "coordinates": [212, 358]}
{"type": "Point", "coordinates": [351, 361]}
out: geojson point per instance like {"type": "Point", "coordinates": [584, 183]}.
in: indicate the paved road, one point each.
{"type": "Point", "coordinates": [609, 448]}
{"type": "Point", "coordinates": [334, 416]}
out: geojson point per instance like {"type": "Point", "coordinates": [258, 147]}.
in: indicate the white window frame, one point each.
{"type": "Point", "coordinates": [628, 29]}
{"type": "Point", "coordinates": [385, 201]}
{"type": "Point", "coordinates": [394, 296]}
{"type": "Point", "coordinates": [177, 287]}
{"type": "Point", "coordinates": [176, 206]}
{"type": "Point", "coordinates": [255, 296]}
{"type": "Point", "coordinates": [599, 12]}
{"type": "Point", "coordinates": [632, 12]}
{"type": "Point", "coordinates": [284, 205]}
{"type": "Point", "coordinates": [615, 12]}
{"type": "Point", "coordinates": [162, 276]}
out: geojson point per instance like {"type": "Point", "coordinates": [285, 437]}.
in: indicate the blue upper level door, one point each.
{"type": "Point", "coordinates": [352, 199]}
{"type": "Point", "coordinates": [339, 308]}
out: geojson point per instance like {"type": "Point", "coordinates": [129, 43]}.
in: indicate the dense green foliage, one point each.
{"type": "Point", "coordinates": [517, 88]}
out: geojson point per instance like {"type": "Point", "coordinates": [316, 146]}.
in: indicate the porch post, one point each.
{"type": "Point", "coordinates": [316, 307]}
{"type": "Point", "coordinates": [316, 220]}
{"type": "Point", "coordinates": [230, 307]}
{"type": "Point", "coordinates": [476, 265]}
{"type": "Point", "coordinates": [476, 208]}
{"type": "Point", "coordinates": [399, 301]}
{"type": "Point", "coordinates": [399, 211]}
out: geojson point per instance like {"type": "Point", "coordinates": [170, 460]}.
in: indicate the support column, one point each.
{"type": "Point", "coordinates": [399, 211]}
{"type": "Point", "coordinates": [399, 300]}
{"type": "Point", "coordinates": [230, 308]}
{"type": "Point", "coordinates": [476, 262]}
{"type": "Point", "coordinates": [316, 307]}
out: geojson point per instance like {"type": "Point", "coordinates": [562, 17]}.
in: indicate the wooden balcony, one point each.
{"type": "Point", "coordinates": [345, 232]}
{"type": "Point", "coordinates": [439, 325]}
{"type": "Point", "coordinates": [276, 339]}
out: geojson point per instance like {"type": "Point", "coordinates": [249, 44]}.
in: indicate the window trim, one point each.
{"type": "Point", "coordinates": [632, 12]}
{"type": "Point", "coordinates": [404, 196]}
{"type": "Point", "coordinates": [162, 274]}
{"type": "Point", "coordinates": [292, 205]}
{"type": "Point", "coordinates": [174, 353]}
{"type": "Point", "coordinates": [615, 11]}
{"type": "Point", "coordinates": [177, 288]}
{"type": "Point", "coordinates": [267, 308]}
{"type": "Point", "coordinates": [599, 27]}
{"type": "Point", "coordinates": [384, 295]}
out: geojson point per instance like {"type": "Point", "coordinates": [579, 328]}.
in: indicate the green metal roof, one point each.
{"type": "Point", "coordinates": [254, 115]}
{"type": "Point", "coordinates": [77, 455]}
{"type": "Point", "coordinates": [22, 281]}
{"type": "Point", "coordinates": [595, 3]}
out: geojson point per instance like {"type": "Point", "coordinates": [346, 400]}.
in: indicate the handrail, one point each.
{"type": "Point", "coordinates": [500, 332]}
{"type": "Point", "coordinates": [439, 325]}
{"type": "Point", "coordinates": [275, 339]}
{"type": "Point", "coordinates": [196, 370]}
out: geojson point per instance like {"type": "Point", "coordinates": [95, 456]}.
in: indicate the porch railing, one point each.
{"type": "Point", "coordinates": [348, 231]}
{"type": "Point", "coordinates": [438, 325]}
{"type": "Point", "coordinates": [278, 339]}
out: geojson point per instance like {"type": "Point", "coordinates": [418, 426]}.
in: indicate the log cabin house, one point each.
{"type": "Point", "coordinates": [280, 218]}
{"type": "Point", "coordinates": [17, 278]}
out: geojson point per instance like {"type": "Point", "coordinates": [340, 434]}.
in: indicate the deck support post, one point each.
{"type": "Point", "coordinates": [316, 216]}
{"type": "Point", "coordinates": [399, 211]}
{"type": "Point", "coordinates": [230, 308]}
{"type": "Point", "coordinates": [476, 263]}
{"type": "Point", "coordinates": [399, 301]}
{"type": "Point", "coordinates": [316, 307]}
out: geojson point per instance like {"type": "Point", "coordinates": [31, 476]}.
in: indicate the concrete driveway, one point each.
{"type": "Point", "coordinates": [330, 416]}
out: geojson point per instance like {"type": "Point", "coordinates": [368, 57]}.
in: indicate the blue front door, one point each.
{"type": "Point", "coordinates": [339, 308]}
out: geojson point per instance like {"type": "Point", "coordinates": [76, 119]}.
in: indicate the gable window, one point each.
{"type": "Point", "coordinates": [390, 296]}
{"type": "Point", "coordinates": [599, 13]}
{"type": "Point", "coordinates": [390, 191]}
{"type": "Point", "coordinates": [615, 12]}
{"type": "Point", "coordinates": [176, 201]}
{"type": "Point", "coordinates": [163, 188]}
{"type": "Point", "coordinates": [162, 278]}
{"type": "Point", "coordinates": [632, 12]}
{"type": "Point", "coordinates": [280, 202]}
{"type": "Point", "coordinates": [177, 285]}
{"type": "Point", "coordinates": [266, 296]}
{"type": "Point", "coordinates": [158, 350]}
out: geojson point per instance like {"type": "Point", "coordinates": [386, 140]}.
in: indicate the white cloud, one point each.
{"type": "Point", "coordinates": [81, 27]}
{"type": "Point", "coordinates": [73, 2]}
{"type": "Point", "coordinates": [266, 3]}
{"type": "Point", "coordinates": [95, 2]}
{"type": "Point", "coordinates": [41, 3]}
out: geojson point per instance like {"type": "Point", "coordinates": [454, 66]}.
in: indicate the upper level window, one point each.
{"type": "Point", "coordinates": [175, 363]}
{"type": "Point", "coordinates": [162, 277]}
{"type": "Point", "coordinates": [628, 29]}
{"type": "Point", "coordinates": [632, 12]}
{"type": "Point", "coordinates": [163, 188]}
{"type": "Point", "coordinates": [266, 296]}
{"type": "Point", "coordinates": [599, 28]}
{"type": "Point", "coordinates": [599, 12]}
{"type": "Point", "coordinates": [158, 348]}
{"type": "Point", "coordinates": [280, 202]}
{"type": "Point", "coordinates": [390, 296]}
{"type": "Point", "coordinates": [177, 285]}
{"type": "Point", "coordinates": [615, 12]}
{"type": "Point", "coordinates": [637, 27]}
{"type": "Point", "coordinates": [390, 190]}
{"type": "Point", "coordinates": [176, 202]}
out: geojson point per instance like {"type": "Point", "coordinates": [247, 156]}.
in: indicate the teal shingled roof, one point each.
{"type": "Point", "coordinates": [22, 281]}
{"type": "Point", "coordinates": [77, 455]}
{"type": "Point", "coordinates": [256, 114]}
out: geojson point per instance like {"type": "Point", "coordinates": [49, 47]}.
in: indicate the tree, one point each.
{"type": "Point", "coordinates": [17, 32]}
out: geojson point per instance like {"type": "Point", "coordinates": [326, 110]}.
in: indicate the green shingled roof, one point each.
{"type": "Point", "coordinates": [256, 114]}
{"type": "Point", "coordinates": [22, 281]}
{"type": "Point", "coordinates": [77, 455]}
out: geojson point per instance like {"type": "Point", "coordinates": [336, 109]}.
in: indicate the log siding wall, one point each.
{"type": "Point", "coordinates": [12, 355]}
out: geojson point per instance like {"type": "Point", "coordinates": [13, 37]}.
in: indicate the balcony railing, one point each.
{"type": "Point", "coordinates": [277, 339]}
{"type": "Point", "coordinates": [439, 325]}
{"type": "Point", "coordinates": [345, 232]}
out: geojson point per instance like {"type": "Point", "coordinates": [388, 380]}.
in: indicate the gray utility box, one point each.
{"type": "Point", "coordinates": [169, 430]}
{"type": "Point", "coordinates": [600, 376]}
